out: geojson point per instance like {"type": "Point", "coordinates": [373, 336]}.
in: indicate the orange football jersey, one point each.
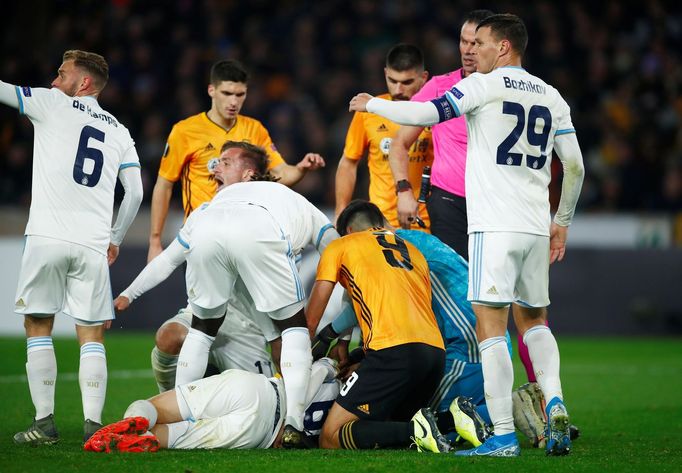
{"type": "Point", "coordinates": [371, 132]}
{"type": "Point", "coordinates": [387, 278]}
{"type": "Point", "coordinates": [193, 142]}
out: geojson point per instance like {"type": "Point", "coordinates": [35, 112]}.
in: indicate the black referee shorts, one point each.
{"type": "Point", "coordinates": [448, 214]}
{"type": "Point", "coordinates": [393, 383]}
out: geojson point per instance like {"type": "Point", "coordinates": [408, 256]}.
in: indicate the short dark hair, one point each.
{"type": "Point", "coordinates": [92, 63]}
{"type": "Point", "coordinates": [477, 16]}
{"type": "Point", "coordinates": [510, 27]}
{"type": "Point", "coordinates": [359, 209]}
{"type": "Point", "coordinates": [405, 57]}
{"type": "Point", "coordinates": [255, 157]}
{"type": "Point", "coordinates": [228, 71]}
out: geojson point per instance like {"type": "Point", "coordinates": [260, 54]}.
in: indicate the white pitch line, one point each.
{"type": "Point", "coordinates": [115, 374]}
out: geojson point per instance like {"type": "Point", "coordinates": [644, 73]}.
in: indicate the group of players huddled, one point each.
{"type": "Point", "coordinates": [433, 368]}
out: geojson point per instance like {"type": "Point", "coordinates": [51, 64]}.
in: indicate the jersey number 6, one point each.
{"type": "Point", "coordinates": [88, 179]}
{"type": "Point", "coordinates": [504, 155]}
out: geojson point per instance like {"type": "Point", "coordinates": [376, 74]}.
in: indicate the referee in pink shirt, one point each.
{"type": "Point", "coordinates": [446, 204]}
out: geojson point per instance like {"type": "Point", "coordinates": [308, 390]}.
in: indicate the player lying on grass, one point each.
{"type": "Point", "coordinates": [233, 409]}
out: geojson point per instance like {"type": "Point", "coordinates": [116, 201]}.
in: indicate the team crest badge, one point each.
{"type": "Point", "coordinates": [385, 145]}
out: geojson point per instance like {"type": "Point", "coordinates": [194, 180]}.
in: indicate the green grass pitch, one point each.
{"type": "Point", "coordinates": [625, 394]}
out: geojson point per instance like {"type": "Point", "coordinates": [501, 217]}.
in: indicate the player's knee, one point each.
{"type": "Point", "coordinates": [170, 337]}
{"type": "Point", "coordinates": [329, 437]}
{"type": "Point", "coordinates": [296, 320]}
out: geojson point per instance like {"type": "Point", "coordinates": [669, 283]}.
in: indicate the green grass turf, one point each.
{"type": "Point", "coordinates": [623, 393]}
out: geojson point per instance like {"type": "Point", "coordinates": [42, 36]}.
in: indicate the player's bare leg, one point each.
{"type": "Point", "coordinates": [169, 339]}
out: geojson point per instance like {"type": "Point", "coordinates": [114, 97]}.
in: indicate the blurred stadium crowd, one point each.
{"type": "Point", "coordinates": [619, 68]}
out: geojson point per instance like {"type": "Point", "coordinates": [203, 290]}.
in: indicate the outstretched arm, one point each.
{"type": "Point", "coordinates": [290, 175]}
{"type": "Point", "coordinates": [8, 94]}
{"type": "Point", "coordinates": [156, 271]}
{"type": "Point", "coordinates": [401, 112]}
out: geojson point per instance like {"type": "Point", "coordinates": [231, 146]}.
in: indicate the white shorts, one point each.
{"type": "Point", "coordinates": [239, 344]}
{"type": "Point", "coordinates": [57, 275]}
{"type": "Point", "coordinates": [508, 267]}
{"type": "Point", "coordinates": [241, 241]}
{"type": "Point", "coordinates": [234, 409]}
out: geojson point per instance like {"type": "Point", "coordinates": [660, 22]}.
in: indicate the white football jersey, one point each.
{"type": "Point", "coordinates": [78, 151]}
{"type": "Point", "coordinates": [301, 222]}
{"type": "Point", "coordinates": [512, 120]}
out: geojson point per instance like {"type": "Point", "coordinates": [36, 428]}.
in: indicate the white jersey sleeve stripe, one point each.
{"type": "Point", "coordinates": [323, 230]}
{"type": "Point", "coordinates": [564, 132]}
{"type": "Point", "coordinates": [182, 242]}
{"type": "Point", "coordinates": [21, 101]}
{"type": "Point", "coordinates": [129, 165]}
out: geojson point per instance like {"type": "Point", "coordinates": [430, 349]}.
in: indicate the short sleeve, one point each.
{"type": "Point", "coordinates": [330, 262]}
{"type": "Point", "coordinates": [174, 156]}
{"type": "Point", "coordinates": [37, 103]}
{"type": "Point", "coordinates": [356, 138]}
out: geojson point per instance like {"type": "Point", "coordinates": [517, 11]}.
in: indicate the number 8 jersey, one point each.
{"type": "Point", "coordinates": [388, 281]}
{"type": "Point", "coordinates": [513, 118]}
{"type": "Point", "coordinates": [78, 151]}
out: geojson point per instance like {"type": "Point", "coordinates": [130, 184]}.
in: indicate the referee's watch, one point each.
{"type": "Point", "coordinates": [402, 186]}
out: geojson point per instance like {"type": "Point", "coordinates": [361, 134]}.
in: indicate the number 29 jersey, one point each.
{"type": "Point", "coordinates": [388, 281]}
{"type": "Point", "coordinates": [78, 151]}
{"type": "Point", "coordinates": [513, 118]}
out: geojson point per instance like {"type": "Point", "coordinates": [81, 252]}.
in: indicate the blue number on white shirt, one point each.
{"type": "Point", "coordinates": [505, 156]}
{"type": "Point", "coordinates": [84, 152]}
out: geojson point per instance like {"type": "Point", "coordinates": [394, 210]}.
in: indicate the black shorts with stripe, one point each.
{"type": "Point", "coordinates": [393, 383]}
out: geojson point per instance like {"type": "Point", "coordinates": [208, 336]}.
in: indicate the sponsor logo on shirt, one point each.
{"type": "Point", "coordinates": [456, 92]}
{"type": "Point", "coordinates": [209, 147]}
{"type": "Point", "coordinates": [364, 408]}
{"type": "Point", "coordinates": [382, 127]}
{"type": "Point", "coordinates": [26, 91]}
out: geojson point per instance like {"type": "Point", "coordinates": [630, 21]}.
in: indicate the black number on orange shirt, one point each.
{"type": "Point", "coordinates": [396, 254]}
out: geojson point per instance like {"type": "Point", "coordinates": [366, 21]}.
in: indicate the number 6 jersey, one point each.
{"type": "Point", "coordinates": [78, 151]}
{"type": "Point", "coordinates": [513, 118]}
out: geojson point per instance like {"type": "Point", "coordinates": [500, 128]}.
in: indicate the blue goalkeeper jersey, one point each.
{"type": "Point", "coordinates": [449, 282]}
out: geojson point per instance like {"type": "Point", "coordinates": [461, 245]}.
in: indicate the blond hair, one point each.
{"type": "Point", "coordinates": [92, 63]}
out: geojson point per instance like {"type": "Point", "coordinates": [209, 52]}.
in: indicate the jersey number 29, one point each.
{"type": "Point", "coordinates": [85, 152]}
{"type": "Point", "coordinates": [505, 156]}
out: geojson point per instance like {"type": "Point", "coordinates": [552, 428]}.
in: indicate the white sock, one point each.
{"type": "Point", "coordinates": [142, 408]}
{"type": "Point", "coordinates": [41, 371]}
{"type": "Point", "coordinates": [164, 366]}
{"type": "Point", "coordinates": [544, 353]}
{"type": "Point", "coordinates": [296, 362]}
{"type": "Point", "coordinates": [498, 380]}
{"type": "Point", "coordinates": [92, 377]}
{"type": "Point", "coordinates": [193, 357]}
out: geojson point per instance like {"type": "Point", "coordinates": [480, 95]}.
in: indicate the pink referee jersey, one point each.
{"type": "Point", "coordinates": [449, 138]}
